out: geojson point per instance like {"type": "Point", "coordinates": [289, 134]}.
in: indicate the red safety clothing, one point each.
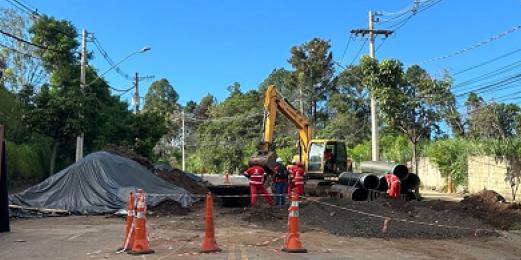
{"type": "Point", "coordinates": [256, 174]}
{"type": "Point", "coordinates": [394, 184]}
{"type": "Point", "coordinates": [297, 179]}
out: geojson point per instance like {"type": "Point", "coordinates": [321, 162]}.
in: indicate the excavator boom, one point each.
{"type": "Point", "coordinates": [274, 102]}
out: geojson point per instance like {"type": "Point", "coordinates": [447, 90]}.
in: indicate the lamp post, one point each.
{"type": "Point", "coordinates": [79, 139]}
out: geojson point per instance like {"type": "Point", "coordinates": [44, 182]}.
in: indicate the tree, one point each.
{"type": "Point", "coordinates": [490, 120]}
{"type": "Point", "coordinates": [348, 108]}
{"type": "Point", "coordinates": [314, 73]}
{"type": "Point", "coordinates": [410, 102]}
{"type": "Point", "coordinates": [226, 140]}
{"type": "Point", "coordinates": [161, 98]}
{"type": "Point", "coordinates": [19, 64]}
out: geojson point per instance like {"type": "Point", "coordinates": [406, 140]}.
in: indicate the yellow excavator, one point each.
{"type": "Point", "coordinates": [323, 159]}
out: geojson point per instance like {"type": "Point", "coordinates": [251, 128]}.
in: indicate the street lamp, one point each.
{"type": "Point", "coordinates": [79, 139]}
{"type": "Point", "coordinates": [142, 50]}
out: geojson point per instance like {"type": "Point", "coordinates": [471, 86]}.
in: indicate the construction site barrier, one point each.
{"type": "Point", "coordinates": [291, 242]}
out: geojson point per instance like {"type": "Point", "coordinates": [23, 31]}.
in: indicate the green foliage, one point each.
{"type": "Point", "coordinates": [161, 98]}
{"type": "Point", "coordinates": [451, 156]}
{"type": "Point", "coordinates": [314, 73]}
{"type": "Point", "coordinates": [27, 162]}
{"type": "Point", "coordinates": [348, 109]}
{"type": "Point", "coordinates": [146, 129]}
{"type": "Point", "coordinates": [60, 37]}
{"type": "Point", "coordinates": [395, 148]}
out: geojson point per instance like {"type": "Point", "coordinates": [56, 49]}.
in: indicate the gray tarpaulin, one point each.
{"type": "Point", "coordinates": [99, 183]}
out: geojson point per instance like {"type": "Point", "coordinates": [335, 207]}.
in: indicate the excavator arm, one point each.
{"type": "Point", "coordinates": [274, 102]}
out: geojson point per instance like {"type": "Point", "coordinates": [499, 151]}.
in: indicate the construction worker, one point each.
{"type": "Point", "coordinates": [297, 178]}
{"type": "Point", "coordinates": [280, 181]}
{"type": "Point", "coordinates": [256, 175]}
{"type": "Point", "coordinates": [394, 184]}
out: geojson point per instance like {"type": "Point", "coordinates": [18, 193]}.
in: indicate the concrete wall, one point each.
{"type": "Point", "coordinates": [430, 175]}
{"type": "Point", "coordinates": [486, 172]}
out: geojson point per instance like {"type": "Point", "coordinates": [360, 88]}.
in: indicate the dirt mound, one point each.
{"type": "Point", "coordinates": [128, 153]}
{"type": "Point", "coordinates": [348, 223]}
{"type": "Point", "coordinates": [168, 208]}
{"type": "Point", "coordinates": [181, 179]}
{"type": "Point", "coordinates": [492, 208]}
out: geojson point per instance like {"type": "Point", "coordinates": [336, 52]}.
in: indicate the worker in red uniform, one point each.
{"type": "Point", "coordinates": [256, 175]}
{"type": "Point", "coordinates": [297, 178]}
{"type": "Point", "coordinates": [394, 184]}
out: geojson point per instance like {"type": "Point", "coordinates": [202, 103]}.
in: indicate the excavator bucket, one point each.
{"type": "Point", "coordinates": [265, 159]}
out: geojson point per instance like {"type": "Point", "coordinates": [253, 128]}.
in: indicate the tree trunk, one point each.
{"type": "Point", "coordinates": [53, 158]}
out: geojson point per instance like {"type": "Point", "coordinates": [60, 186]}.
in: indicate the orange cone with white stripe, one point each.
{"type": "Point", "coordinates": [141, 245]}
{"type": "Point", "coordinates": [129, 230]}
{"type": "Point", "coordinates": [209, 244]}
{"type": "Point", "coordinates": [292, 243]}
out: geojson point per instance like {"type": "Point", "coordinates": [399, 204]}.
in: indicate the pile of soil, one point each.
{"type": "Point", "coordinates": [181, 179]}
{"type": "Point", "coordinates": [492, 208]}
{"type": "Point", "coordinates": [347, 223]}
{"type": "Point", "coordinates": [128, 153]}
{"type": "Point", "coordinates": [169, 207]}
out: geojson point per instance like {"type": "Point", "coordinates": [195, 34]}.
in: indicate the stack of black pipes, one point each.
{"type": "Point", "coordinates": [368, 184]}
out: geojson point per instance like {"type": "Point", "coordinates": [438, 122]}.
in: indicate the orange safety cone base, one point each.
{"type": "Point", "coordinates": [211, 250]}
{"type": "Point", "coordinates": [293, 244]}
{"type": "Point", "coordinates": [141, 252]}
{"type": "Point", "coordinates": [300, 250]}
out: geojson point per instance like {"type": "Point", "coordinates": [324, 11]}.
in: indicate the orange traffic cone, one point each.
{"type": "Point", "coordinates": [141, 244]}
{"type": "Point", "coordinates": [292, 242]}
{"type": "Point", "coordinates": [129, 229]}
{"type": "Point", "coordinates": [209, 244]}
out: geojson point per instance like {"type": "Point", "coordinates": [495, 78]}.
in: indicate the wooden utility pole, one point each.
{"type": "Point", "coordinates": [371, 32]}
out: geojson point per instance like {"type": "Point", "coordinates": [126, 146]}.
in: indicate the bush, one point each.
{"type": "Point", "coordinates": [450, 155]}
{"type": "Point", "coordinates": [27, 163]}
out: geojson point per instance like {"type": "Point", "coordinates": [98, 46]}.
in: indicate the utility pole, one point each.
{"type": "Point", "coordinates": [371, 32]}
{"type": "Point", "coordinates": [83, 69]}
{"type": "Point", "coordinates": [136, 98]}
{"type": "Point", "coordinates": [183, 136]}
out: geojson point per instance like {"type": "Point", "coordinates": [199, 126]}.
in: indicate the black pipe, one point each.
{"type": "Point", "coordinates": [411, 182]}
{"type": "Point", "coordinates": [382, 186]}
{"type": "Point", "coordinates": [362, 180]}
{"type": "Point", "coordinates": [379, 168]}
{"type": "Point", "coordinates": [349, 192]}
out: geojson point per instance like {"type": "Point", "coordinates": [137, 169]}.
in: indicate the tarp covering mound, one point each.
{"type": "Point", "coordinates": [99, 183]}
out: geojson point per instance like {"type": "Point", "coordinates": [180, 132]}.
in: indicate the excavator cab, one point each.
{"type": "Point", "coordinates": [326, 159]}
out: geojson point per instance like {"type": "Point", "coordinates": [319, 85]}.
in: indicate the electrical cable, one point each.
{"type": "Point", "coordinates": [358, 53]}
{"type": "Point", "coordinates": [474, 46]}
{"type": "Point", "coordinates": [487, 62]}
{"type": "Point", "coordinates": [345, 49]}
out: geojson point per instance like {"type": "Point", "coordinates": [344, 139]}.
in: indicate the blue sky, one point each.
{"type": "Point", "coordinates": [204, 46]}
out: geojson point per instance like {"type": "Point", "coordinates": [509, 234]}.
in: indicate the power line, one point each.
{"type": "Point", "coordinates": [494, 85]}
{"type": "Point", "coordinates": [472, 47]}
{"type": "Point", "coordinates": [18, 51]}
{"type": "Point", "coordinates": [111, 62]}
{"type": "Point", "coordinates": [487, 62]}
{"type": "Point", "coordinates": [358, 52]}
{"type": "Point", "coordinates": [489, 75]}
{"type": "Point", "coordinates": [28, 42]}
{"type": "Point", "coordinates": [345, 49]}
